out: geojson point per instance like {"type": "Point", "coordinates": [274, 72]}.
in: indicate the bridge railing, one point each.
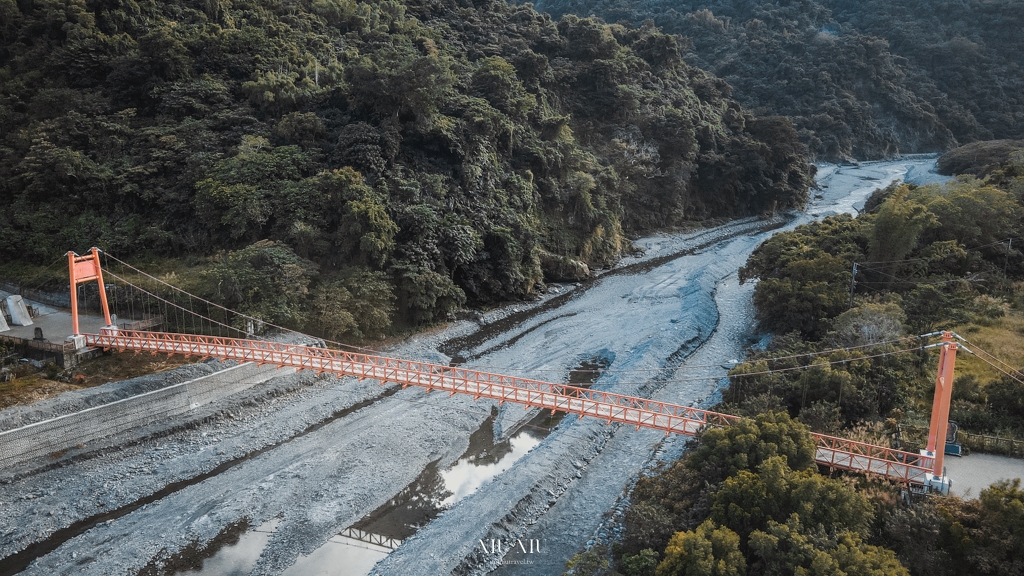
{"type": "Point", "coordinates": [640, 412]}
{"type": "Point", "coordinates": [844, 454]}
{"type": "Point", "coordinates": [832, 452]}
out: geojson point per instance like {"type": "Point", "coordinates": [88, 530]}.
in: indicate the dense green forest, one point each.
{"type": "Point", "coordinates": [316, 159]}
{"type": "Point", "coordinates": [928, 258]}
{"type": "Point", "coordinates": [860, 79]}
{"type": "Point", "coordinates": [748, 499]}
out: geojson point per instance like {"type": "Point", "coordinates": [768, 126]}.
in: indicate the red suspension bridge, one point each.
{"type": "Point", "coordinates": [922, 470]}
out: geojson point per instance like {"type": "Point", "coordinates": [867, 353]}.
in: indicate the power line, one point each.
{"type": "Point", "coordinates": [831, 363]}
{"type": "Point", "coordinates": [694, 366]}
{"type": "Point", "coordinates": [894, 261]}
{"type": "Point", "coordinates": [990, 355]}
{"type": "Point", "coordinates": [769, 371]}
{"type": "Point", "coordinates": [758, 373]}
{"type": "Point", "coordinates": [993, 365]}
{"type": "Point", "coordinates": [657, 370]}
{"type": "Point", "coordinates": [622, 371]}
{"type": "Point", "coordinates": [867, 266]}
{"type": "Point", "coordinates": [229, 311]}
{"type": "Point", "coordinates": [63, 258]}
{"type": "Point", "coordinates": [909, 280]}
{"type": "Point", "coordinates": [376, 352]}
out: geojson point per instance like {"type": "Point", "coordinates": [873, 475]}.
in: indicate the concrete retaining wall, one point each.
{"type": "Point", "coordinates": [80, 428]}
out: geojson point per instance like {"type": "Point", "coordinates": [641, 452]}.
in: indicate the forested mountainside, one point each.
{"type": "Point", "coordinates": [438, 151]}
{"type": "Point", "coordinates": [860, 79]}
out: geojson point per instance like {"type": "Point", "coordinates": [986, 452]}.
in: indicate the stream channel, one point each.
{"type": "Point", "coordinates": [492, 451]}
{"type": "Point", "coordinates": [356, 550]}
{"type": "Point", "coordinates": [345, 477]}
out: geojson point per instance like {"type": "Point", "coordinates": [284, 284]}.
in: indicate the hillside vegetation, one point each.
{"type": "Point", "coordinates": [860, 79]}
{"type": "Point", "coordinates": [336, 157]}
{"type": "Point", "coordinates": [749, 500]}
{"type": "Point", "coordinates": [928, 258]}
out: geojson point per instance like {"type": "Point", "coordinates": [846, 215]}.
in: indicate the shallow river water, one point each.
{"type": "Point", "coordinates": [670, 329]}
{"type": "Point", "coordinates": [347, 478]}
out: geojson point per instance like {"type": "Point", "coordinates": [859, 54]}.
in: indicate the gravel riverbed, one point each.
{"type": "Point", "coordinates": [316, 454]}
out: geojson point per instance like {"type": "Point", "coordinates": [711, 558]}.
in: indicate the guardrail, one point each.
{"type": "Point", "coordinates": [39, 344]}
{"type": "Point", "coordinates": [993, 444]}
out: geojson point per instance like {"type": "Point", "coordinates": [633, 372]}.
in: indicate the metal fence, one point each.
{"type": "Point", "coordinates": [992, 444]}
{"type": "Point", "coordinates": [989, 444]}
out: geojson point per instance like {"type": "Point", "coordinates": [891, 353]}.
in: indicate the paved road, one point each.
{"type": "Point", "coordinates": [972, 474]}
{"type": "Point", "coordinates": [56, 324]}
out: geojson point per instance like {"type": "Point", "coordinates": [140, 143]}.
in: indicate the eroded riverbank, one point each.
{"type": "Point", "coordinates": [666, 326]}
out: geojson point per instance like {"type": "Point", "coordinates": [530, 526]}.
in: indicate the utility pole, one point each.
{"type": "Point", "coordinates": [853, 282]}
{"type": "Point", "coordinates": [1006, 258]}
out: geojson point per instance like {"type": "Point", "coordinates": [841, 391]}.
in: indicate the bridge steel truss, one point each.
{"type": "Point", "coordinates": [831, 452]}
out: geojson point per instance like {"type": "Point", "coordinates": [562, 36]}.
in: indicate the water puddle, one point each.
{"type": "Point", "coordinates": [237, 553]}
{"type": "Point", "coordinates": [18, 561]}
{"type": "Point", "coordinates": [351, 552]}
{"type": "Point", "coordinates": [471, 472]}
{"type": "Point", "coordinates": [357, 549]}
{"type": "Point", "coordinates": [434, 491]}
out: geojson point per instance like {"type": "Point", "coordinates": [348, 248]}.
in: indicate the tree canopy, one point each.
{"type": "Point", "coordinates": [717, 512]}
{"type": "Point", "coordinates": [859, 79]}
{"type": "Point", "coordinates": [395, 138]}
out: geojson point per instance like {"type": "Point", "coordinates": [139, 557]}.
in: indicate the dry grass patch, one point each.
{"type": "Point", "coordinates": [1001, 337]}
{"type": "Point", "coordinates": [31, 388]}
{"type": "Point", "coordinates": [31, 385]}
{"type": "Point", "coordinates": [114, 366]}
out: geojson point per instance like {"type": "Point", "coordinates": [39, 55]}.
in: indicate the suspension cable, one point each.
{"type": "Point", "coordinates": [173, 305]}
{"type": "Point", "coordinates": [229, 311]}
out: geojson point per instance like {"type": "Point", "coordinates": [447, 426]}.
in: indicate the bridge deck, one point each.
{"type": "Point", "coordinates": [832, 452]}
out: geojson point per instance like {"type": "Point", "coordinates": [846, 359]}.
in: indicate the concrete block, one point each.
{"type": "Point", "coordinates": [19, 312]}
{"type": "Point", "coordinates": [3, 323]}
